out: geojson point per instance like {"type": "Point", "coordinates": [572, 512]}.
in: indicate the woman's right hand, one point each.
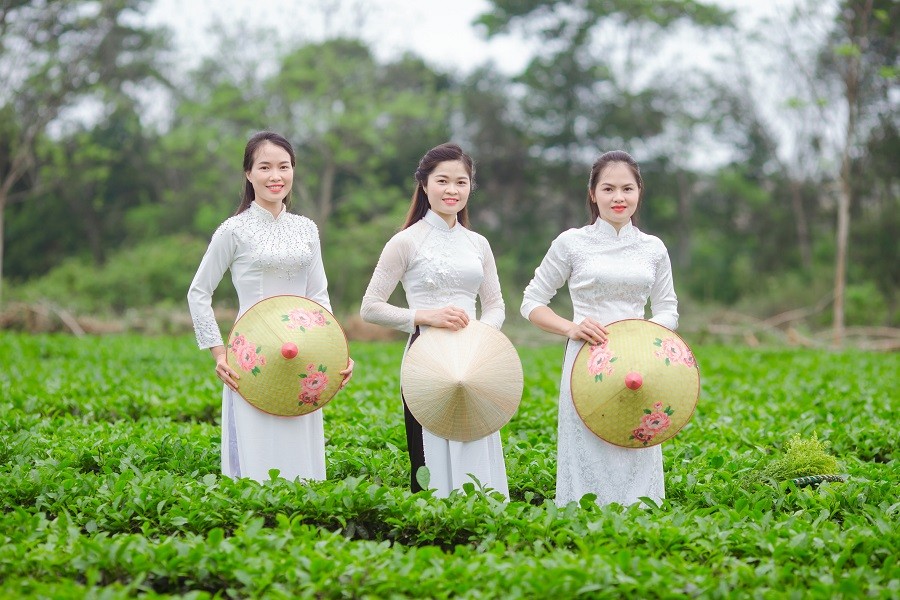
{"type": "Point", "coordinates": [588, 330]}
{"type": "Point", "coordinates": [226, 373]}
{"type": "Point", "coordinates": [449, 317]}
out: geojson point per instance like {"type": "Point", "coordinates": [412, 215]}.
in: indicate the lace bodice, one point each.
{"type": "Point", "coordinates": [437, 266]}
{"type": "Point", "coordinates": [267, 256]}
{"type": "Point", "coordinates": [611, 275]}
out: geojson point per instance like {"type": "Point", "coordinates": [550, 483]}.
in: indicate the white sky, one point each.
{"type": "Point", "coordinates": [440, 31]}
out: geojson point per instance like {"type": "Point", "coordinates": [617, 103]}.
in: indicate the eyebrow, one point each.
{"type": "Point", "coordinates": [448, 176]}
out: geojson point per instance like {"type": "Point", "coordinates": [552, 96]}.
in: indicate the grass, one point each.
{"type": "Point", "coordinates": [110, 487]}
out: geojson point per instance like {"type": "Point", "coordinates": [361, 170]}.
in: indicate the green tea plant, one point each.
{"type": "Point", "coordinates": [110, 487]}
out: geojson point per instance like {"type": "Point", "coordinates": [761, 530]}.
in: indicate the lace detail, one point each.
{"type": "Point", "coordinates": [437, 266]}
{"type": "Point", "coordinates": [440, 271]}
{"type": "Point", "coordinates": [283, 246]}
{"type": "Point", "coordinates": [610, 276]}
{"type": "Point", "coordinates": [207, 331]}
{"type": "Point", "coordinates": [266, 256]}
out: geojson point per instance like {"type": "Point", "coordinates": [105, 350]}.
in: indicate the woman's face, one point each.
{"type": "Point", "coordinates": [616, 194]}
{"type": "Point", "coordinates": [448, 188]}
{"type": "Point", "coordinates": [271, 175]}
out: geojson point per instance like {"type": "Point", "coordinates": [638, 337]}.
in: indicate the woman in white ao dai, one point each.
{"type": "Point", "coordinates": [269, 252]}
{"type": "Point", "coordinates": [443, 266]}
{"type": "Point", "coordinates": [612, 269]}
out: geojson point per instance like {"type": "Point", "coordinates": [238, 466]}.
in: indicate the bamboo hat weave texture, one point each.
{"type": "Point", "coordinates": [289, 351]}
{"type": "Point", "coordinates": [639, 388]}
{"type": "Point", "coordinates": [462, 385]}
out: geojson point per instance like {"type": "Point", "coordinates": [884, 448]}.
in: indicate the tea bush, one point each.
{"type": "Point", "coordinates": [110, 488]}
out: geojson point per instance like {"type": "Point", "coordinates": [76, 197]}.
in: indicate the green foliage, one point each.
{"type": "Point", "coordinates": [109, 475]}
{"type": "Point", "coordinates": [154, 272]}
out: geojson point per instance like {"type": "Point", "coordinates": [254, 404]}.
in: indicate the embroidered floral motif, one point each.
{"type": "Point", "coordinates": [675, 352]}
{"type": "Point", "coordinates": [652, 423]}
{"type": "Point", "coordinates": [303, 319]}
{"type": "Point", "coordinates": [600, 361]}
{"type": "Point", "coordinates": [247, 354]}
{"type": "Point", "coordinates": [313, 383]}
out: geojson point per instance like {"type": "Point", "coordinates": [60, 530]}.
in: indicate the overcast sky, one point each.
{"type": "Point", "coordinates": [440, 31]}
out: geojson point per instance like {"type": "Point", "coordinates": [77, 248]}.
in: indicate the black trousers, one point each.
{"type": "Point", "coordinates": [414, 443]}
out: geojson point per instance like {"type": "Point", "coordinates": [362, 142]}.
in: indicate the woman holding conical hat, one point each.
{"type": "Point", "coordinates": [443, 266]}
{"type": "Point", "coordinates": [612, 269]}
{"type": "Point", "coordinates": [270, 252]}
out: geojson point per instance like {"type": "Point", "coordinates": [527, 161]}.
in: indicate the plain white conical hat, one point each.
{"type": "Point", "coordinates": [462, 385]}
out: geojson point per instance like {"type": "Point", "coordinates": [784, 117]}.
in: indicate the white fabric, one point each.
{"type": "Point", "coordinates": [611, 276]}
{"type": "Point", "coordinates": [440, 266]}
{"type": "Point", "coordinates": [267, 257]}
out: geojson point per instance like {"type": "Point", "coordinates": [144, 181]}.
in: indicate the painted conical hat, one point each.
{"type": "Point", "coordinates": [289, 351]}
{"type": "Point", "coordinates": [639, 388]}
{"type": "Point", "coordinates": [462, 385]}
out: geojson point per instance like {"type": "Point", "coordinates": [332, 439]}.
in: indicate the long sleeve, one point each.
{"type": "Point", "coordinates": [493, 309]}
{"type": "Point", "coordinates": [317, 282]}
{"type": "Point", "coordinates": [391, 267]}
{"type": "Point", "coordinates": [551, 275]}
{"type": "Point", "coordinates": [215, 262]}
{"type": "Point", "coordinates": [663, 302]}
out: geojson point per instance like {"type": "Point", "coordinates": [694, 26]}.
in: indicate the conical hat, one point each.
{"type": "Point", "coordinates": [462, 385]}
{"type": "Point", "coordinates": [289, 351]}
{"type": "Point", "coordinates": [637, 389]}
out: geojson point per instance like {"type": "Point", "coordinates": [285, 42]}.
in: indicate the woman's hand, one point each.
{"type": "Point", "coordinates": [449, 317]}
{"type": "Point", "coordinates": [588, 330]}
{"type": "Point", "coordinates": [226, 373]}
{"type": "Point", "coordinates": [347, 373]}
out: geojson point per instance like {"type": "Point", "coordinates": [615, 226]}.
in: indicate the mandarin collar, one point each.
{"type": "Point", "coordinates": [436, 221]}
{"type": "Point", "coordinates": [607, 230]}
{"type": "Point", "coordinates": [263, 213]}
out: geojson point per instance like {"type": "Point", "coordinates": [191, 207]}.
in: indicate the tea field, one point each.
{"type": "Point", "coordinates": [110, 488]}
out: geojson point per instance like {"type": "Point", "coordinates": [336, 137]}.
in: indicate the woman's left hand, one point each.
{"type": "Point", "coordinates": [347, 373]}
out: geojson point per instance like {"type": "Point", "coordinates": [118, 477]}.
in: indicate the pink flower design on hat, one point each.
{"type": "Point", "coordinates": [653, 422]}
{"type": "Point", "coordinates": [600, 361]}
{"type": "Point", "coordinates": [302, 319]}
{"type": "Point", "coordinates": [674, 352]}
{"type": "Point", "coordinates": [313, 384]}
{"type": "Point", "coordinates": [298, 319]}
{"type": "Point", "coordinates": [247, 354]}
{"type": "Point", "coordinates": [239, 341]}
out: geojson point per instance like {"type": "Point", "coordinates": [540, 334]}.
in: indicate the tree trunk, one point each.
{"type": "Point", "coordinates": [804, 244]}
{"type": "Point", "coordinates": [859, 19]}
{"type": "Point", "coordinates": [840, 268]}
{"type": "Point", "coordinates": [326, 192]}
{"type": "Point", "coordinates": [683, 258]}
{"type": "Point", "coordinates": [3, 197]}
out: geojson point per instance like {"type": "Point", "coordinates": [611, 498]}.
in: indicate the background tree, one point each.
{"type": "Point", "coordinates": [56, 57]}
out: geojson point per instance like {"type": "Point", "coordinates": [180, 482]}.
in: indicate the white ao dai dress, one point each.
{"type": "Point", "coordinates": [440, 266]}
{"type": "Point", "coordinates": [267, 256]}
{"type": "Point", "coordinates": [611, 276]}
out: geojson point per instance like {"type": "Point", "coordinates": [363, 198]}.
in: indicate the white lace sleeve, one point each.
{"type": "Point", "coordinates": [551, 275]}
{"type": "Point", "coordinates": [215, 262]}
{"type": "Point", "coordinates": [663, 302]}
{"type": "Point", "coordinates": [316, 282]}
{"type": "Point", "coordinates": [390, 269]}
{"type": "Point", "coordinates": [493, 309]}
